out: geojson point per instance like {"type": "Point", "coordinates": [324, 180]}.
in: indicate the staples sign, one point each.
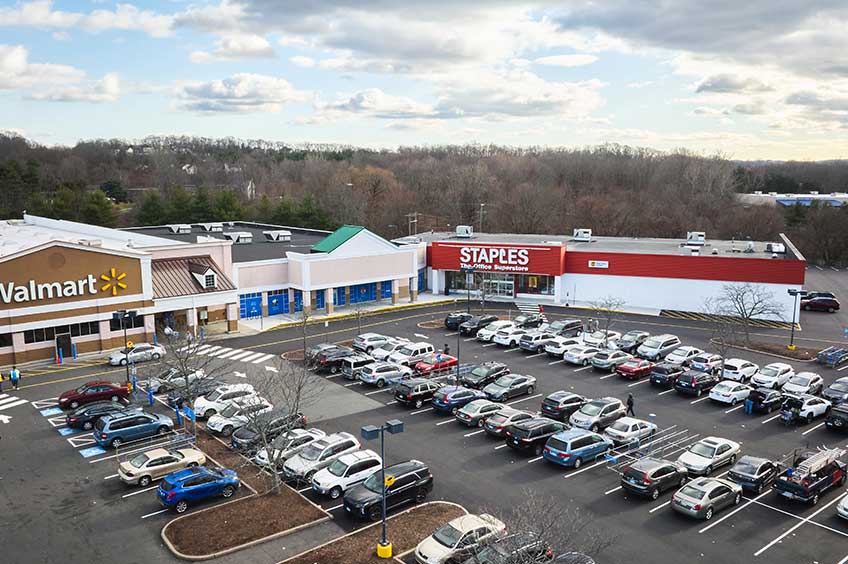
{"type": "Point", "coordinates": [493, 258]}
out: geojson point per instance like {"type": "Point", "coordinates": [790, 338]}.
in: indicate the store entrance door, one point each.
{"type": "Point", "coordinates": [499, 286]}
{"type": "Point", "coordinates": [63, 343]}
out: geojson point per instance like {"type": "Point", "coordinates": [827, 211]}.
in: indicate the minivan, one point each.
{"type": "Point", "coordinates": [574, 447]}
{"type": "Point", "coordinates": [118, 428]}
{"type": "Point", "coordinates": [656, 347]}
{"type": "Point", "coordinates": [566, 327]}
{"type": "Point", "coordinates": [411, 353]}
{"type": "Point", "coordinates": [319, 454]}
{"type": "Point", "coordinates": [353, 365]}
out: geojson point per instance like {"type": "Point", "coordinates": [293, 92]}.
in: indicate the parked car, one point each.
{"type": "Point", "coordinates": [635, 369]}
{"type": "Point", "coordinates": [312, 352]}
{"type": "Point", "coordinates": [412, 483]}
{"type": "Point", "coordinates": [351, 366]}
{"type": "Point", "coordinates": [269, 424]}
{"type": "Point", "coordinates": [411, 354]}
{"type": "Point", "coordinates": [580, 354]}
{"type": "Point", "coordinates": [458, 539]}
{"type": "Point", "coordinates": [237, 414]}
{"type": "Point", "coordinates": [118, 428]}
{"type": "Point", "coordinates": [811, 475]}
{"type": "Point", "coordinates": [610, 359]}
{"type": "Point", "coordinates": [517, 548]}
{"type": "Point", "coordinates": [384, 351]}
{"type": "Point", "coordinates": [510, 386]}
{"type": "Point", "coordinates": [754, 473]}
{"type": "Point", "coordinates": [707, 362]}
{"type": "Point", "coordinates": [141, 352]}
{"type": "Point", "coordinates": [804, 383]}
{"type": "Point", "coordinates": [682, 355]}
{"type": "Point", "coordinates": [631, 340]}
{"type": "Point", "coordinates": [657, 347]}
{"type": "Point", "coordinates": [695, 383]}
{"type": "Point", "coordinates": [819, 294]}
{"type": "Point", "coordinates": [558, 346]}
{"type": "Point", "coordinates": [531, 435]}
{"type": "Point", "coordinates": [561, 404]}
{"type": "Point", "coordinates": [535, 341]}
{"type": "Point", "coordinates": [487, 333]}
{"type": "Point", "coordinates": [666, 374]}
{"type": "Point", "coordinates": [528, 321]}
{"type": "Point", "coordinates": [598, 414]}
{"type": "Point", "coordinates": [765, 399]}
{"type": "Point", "coordinates": [86, 416]}
{"type": "Point", "coordinates": [455, 319]}
{"type": "Point", "coordinates": [483, 375]}
{"type": "Point", "coordinates": [702, 497]}
{"type": "Point", "coordinates": [319, 454]}
{"type": "Point", "coordinates": [381, 374]}
{"type": "Point", "coordinates": [601, 339]}
{"type": "Point", "coordinates": [566, 327]}
{"type": "Point", "coordinates": [173, 379]}
{"type": "Point", "coordinates": [629, 430]}
{"type": "Point", "coordinates": [649, 477]}
{"type": "Point", "coordinates": [739, 370]}
{"type": "Point", "coordinates": [837, 419]}
{"type": "Point", "coordinates": [575, 446]}
{"type": "Point", "coordinates": [330, 360]}
{"type": "Point", "coordinates": [472, 325]}
{"type": "Point", "coordinates": [450, 398]}
{"type": "Point", "coordinates": [842, 507]}
{"type": "Point", "coordinates": [474, 414]}
{"type": "Point", "coordinates": [730, 392]}
{"type": "Point", "coordinates": [287, 445]}
{"type": "Point", "coordinates": [497, 425]}
{"type": "Point", "coordinates": [837, 392]}
{"type": "Point", "coordinates": [829, 305]}
{"type": "Point", "coordinates": [803, 408]}
{"type": "Point", "coordinates": [210, 404]}
{"type": "Point", "coordinates": [773, 375]}
{"type": "Point", "coordinates": [416, 391]}
{"type": "Point", "coordinates": [91, 392]}
{"type": "Point", "coordinates": [345, 472]}
{"type": "Point", "coordinates": [509, 337]}
{"type": "Point", "coordinates": [367, 342]}
{"type": "Point", "coordinates": [708, 454]}
{"type": "Point", "coordinates": [180, 397]}
{"type": "Point", "coordinates": [435, 363]}
{"type": "Point", "coordinates": [191, 485]}
{"type": "Point", "coordinates": [144, 467]}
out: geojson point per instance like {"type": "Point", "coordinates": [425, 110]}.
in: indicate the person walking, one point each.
{"type": "Point", "coordinates": [1, 382]}
{"type": "Point", "coordinates": [15, 376]}
{"type": "Point", "coordinates": [630, 405]}
{"type": "Point", "coordinates": [446, 349]}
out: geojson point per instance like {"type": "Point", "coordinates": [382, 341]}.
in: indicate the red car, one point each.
{"type": "Point", "coordinates": [635, 369]}
{"type": "Point", "coordinates": [434, 363]}
{"type": "Point", "coordinates": [820, 303]}
{"type": "Point", "coordinates": [90, 392]}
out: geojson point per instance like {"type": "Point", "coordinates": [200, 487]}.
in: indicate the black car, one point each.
{"type": "Point", "coordinates": [754, 473]}
{"type": "Point", "coordinates": [531, 435]}
{"type": "Point", "coordinates": [566, 327]}
{"type": "Point", "coordinates": [695, 383]}
{"type": "Point", "coordinates": [86, 416]}
{"type": "Point", "coordinates": [199, 388]}
{"type": "Point", "coordinates": [412, 482]}
{"type": "Point", "coordinates": [455, 319]}
{"type": "Point", "coordinates": [483, 375]}
{"type": "Point", "coordinates": [837, 392]}
{"type": "Point", "coordinates": [528, 321]}
{"type": "Point", "coordinates": [517, 548]}
{"type": "Point", "coordinates": [271, 423]}
{"type": "Point", "coordinates": [416, 391]}
{"type": "Point", "coordinates": [765, 399]}
{"type": "Point", "coordinates": [330, 360]}
{"type": "Point", "coordinates": [561, 404]}
{"type": "Point", "coordinates": [666, 374]}
{"type": "Point", "coordinates": [475, 323]}
{"type": "Point", "coordinates": [631, 340]}
{"type": "Point", "coordinates": [313, 351]}
{"type": "Point", "coordinates": [498, 424]}
{"type": "Point", "coordinates": [837, 419]}
{"type": "Point", "coordinates": [649, 477]}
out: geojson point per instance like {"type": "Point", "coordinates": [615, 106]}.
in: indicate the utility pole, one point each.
{"type": "Point", "coordinates": [412, 219]}
{"type": "Point", "coordinates": [482, 212]}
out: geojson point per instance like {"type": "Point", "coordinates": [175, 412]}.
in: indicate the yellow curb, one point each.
{"type": "Point", "coordinates": [353, 315]}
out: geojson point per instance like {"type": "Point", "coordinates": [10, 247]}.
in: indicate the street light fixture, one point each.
{"type": "Point", "coordinates": [370, 432]}
{"type": "Point", "coordinates": [125, 316]}
{"type": "Point", "coordinates": [794, 293]}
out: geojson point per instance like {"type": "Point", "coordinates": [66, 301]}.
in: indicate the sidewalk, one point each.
{"type": "Point", "coordinates": [285, 547]}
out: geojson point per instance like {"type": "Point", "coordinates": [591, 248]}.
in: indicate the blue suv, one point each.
{"type": "Point", "coordinates": [118, 428]}
{"type": "Point", "coordinates": [574, 447]}
{"type": "Point", "coordinates": [179, 489]}
{"type": "Point", "coordinates": [451, 398]}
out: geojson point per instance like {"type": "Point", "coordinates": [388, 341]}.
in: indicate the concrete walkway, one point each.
{"type": "Point", "coordinates": [285, 547]}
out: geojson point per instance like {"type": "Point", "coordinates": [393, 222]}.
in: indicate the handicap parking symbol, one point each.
{"type": "Point", "coordinates": [65, 431]}
{"type": "Point", "coordinates": [92, 451]}
{"type": "Point", "coordinates": [51, 411]}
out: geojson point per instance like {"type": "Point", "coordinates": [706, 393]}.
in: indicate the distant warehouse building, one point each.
{"type": "Point", "coordinates": [759, 198]}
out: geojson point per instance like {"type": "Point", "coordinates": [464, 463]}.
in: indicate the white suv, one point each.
{"type": "Point", "coordinates": [345, 472]}
{"type": "Point", "coordinates": [487, 333]}
{"type": "Point", "coordinates": [210, 404]}
{"type": "Point", "coordinates": [509, 337]}
{"type": "Point", "coordinates": [656, 347]}
{"type": "Point", "coordinates": [411, 353]}
{"type": "Point", "coordinates": [773, 375]}
{"type": "Point", "coordinates": [237, 414]}
{"type": "Point", "coordinates": [319, 454]}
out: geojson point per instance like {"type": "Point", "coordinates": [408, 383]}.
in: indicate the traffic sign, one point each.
{"type": "Point", "coordinates": [390, 480]}
{"type": "Point", "coordinates": [130, 344]}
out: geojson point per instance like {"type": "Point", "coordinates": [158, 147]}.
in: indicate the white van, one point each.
{"type": "Point", "coordinates": [411, 353]}
{"type": "Point", "coordinates": [658, 346]}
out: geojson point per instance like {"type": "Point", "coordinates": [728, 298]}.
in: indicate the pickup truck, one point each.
{"type": "Point", "coordinates": [812, 475]}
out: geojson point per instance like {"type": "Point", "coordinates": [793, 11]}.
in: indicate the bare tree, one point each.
{"type": "Point", "coordinates": [747, 302]}
{"type": "Point", "coordinates": [607, 309]}
{"type": "Point", "coordinates": [725, 328]}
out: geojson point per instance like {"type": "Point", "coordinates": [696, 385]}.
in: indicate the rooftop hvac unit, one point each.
{"type": "Point", "coordinates": [277, 236]}
{"type": "Point", "coordinates": [464, 231]}
{"type": "Point", "coordinates": [180, 228]}
{"type": "Point", "coordinates": [772, 193]}
{"type": "Point", "coordinates": [239, 237]}
{"type": "Point", "coordinates": [91, 242]}
{"type": "Point", "coordinates": [696, 238]}
{"type": "Point", "coordinates": [814, 192]}
{"type": "Point", "coordinates": [749, 247]}
{"type": "Point", "coordinates": [778, 248]}
{"type": "Point", "coordinates": [695, 251]}
{"type": "Point", "coordinates": [758, 192]}
{"type": "Point", "coordinates": [212, 227]}
{"type": "Point", "coordinates": [582, 235]}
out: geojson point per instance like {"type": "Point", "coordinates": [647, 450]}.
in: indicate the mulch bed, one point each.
{"type": "Point", "coordinates": [405, 532]}
{"type": "Point", "coordinates": [233, 524]}
{"type": "Point", "coordinates": [800, 353]}
{"type": "Point", "coordinates": [248, 472]}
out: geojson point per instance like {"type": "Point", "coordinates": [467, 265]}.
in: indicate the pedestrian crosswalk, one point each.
{"type": "Point", "coordinates": [8, 402]}
{"type": "Point", "coordinates": [228, 353]}
{"type": "Point", "coordinates": [531, 309]}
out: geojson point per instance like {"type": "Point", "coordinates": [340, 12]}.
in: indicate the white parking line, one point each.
{"type": "Point", "coordinates": [149, 446]}
{"type": "Point", "coordinates": [490, 344]}
{"type": "Point", "coordinates": [306, 489]}
{"type": "Point", "coordinates": [445, 422]}
{"type": "Point", "coordinates": [812, 429]}
{"type": "Point", "coordinates": [513, 402]}
{"type": "Point", "coordinates": [139, 491]}
{"type": "Point", "coordinates": [771, 418]}
{"type": "Point", "coordinates": [537, 459]}
{"type": "Point", "coordinates": [378, 391]}
{"type": "Point", "coordinates": [668, 391]}
{"type": "Point", "coordinates": [353, 384]}
{"type": "Point", "coordinates": [844, 560]}
{"type": "Point", "coordinates": [735, 408]}
{"type": "Point", "coordinates": [637, 383]}
{"type": "Point", "coordinates": [795, 527]}
{"type": "Point", "coordinates": [612, 490]}
{"type": "Point", "coordinates": [339, 506]}
{"type": "Point", "coordinates": [587, 367]}
{"type": "Point", "coordinates": [391, 402]}
{"type": "Point", "coordinates": [471, 339]}
{"type": "Point", "coordinates": [843, 368]}
{"type": "Point", "coordinates": [110, 477]}
{"type": "Point", "coordinates": [452, 334]}
{"type": "Point", "coordinates": [501, 446]}
{"type": "Point", "coordinates": [421, 411]}
{"type": "Point", "coordinates": [161, 511]}
{"type": "Point", "coordinates": [693, 402]}
{"type": "Point", "coordinates": [607, 376]}
{"type": "Point", "coordinates": [560, 361]}
{"type": "Point", "coordinates": [820, 268]}
{"type": "Point", "coordinates": [420, 336]}
{"type": "Point", "coordinates": [833, 268]}
{"type": "Point", "coordinates": [734, 512]}
{"type": "Point", "coordinates": [472, 433]}
{"type": "Point", "coordinates": [513, 349]}
{"type": "Point", "coordinates": [658, 507]}
{"type": "Point", "coordinates": [12, 402]}
{"type": "Point", "coordinates": [330, 376]}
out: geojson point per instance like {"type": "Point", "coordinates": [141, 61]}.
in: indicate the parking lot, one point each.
{"type": "Point", "coordinates": [58, 479]}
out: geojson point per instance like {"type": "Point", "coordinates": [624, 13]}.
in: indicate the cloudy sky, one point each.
{"type": "Point", "coordinates": [755, 80]}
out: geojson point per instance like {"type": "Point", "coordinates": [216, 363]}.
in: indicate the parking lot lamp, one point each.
{"type": "Point", "coordinates": [124, 316]}
{"type": "Point", "coordinates": [794, 293]}
{"type": "Point", "coordinates": [370, 432]}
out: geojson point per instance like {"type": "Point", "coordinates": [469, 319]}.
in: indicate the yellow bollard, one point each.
{"type": "Point", "coordinates": [384, 550]}
{"type": "Point", "coordinates": [791, 347]}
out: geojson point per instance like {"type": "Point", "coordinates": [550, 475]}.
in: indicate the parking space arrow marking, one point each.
{"type": "Point", "coordinates": [271, 369]}
{"type": "Point", "coordinates": [5, 419]}
{"type": "Point", "coordinates": [239, 374]}
{"type": "Point", "coordinates": [420, 336]}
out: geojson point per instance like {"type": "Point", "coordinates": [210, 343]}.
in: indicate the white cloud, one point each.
{"type": "Point", "coordinates": [640, 84]}
{"type": "Point", "coordinates": [17, 73]}
{"type": "Point", "coordinates": [60, 35]}
{"type": "Point", "coordinates": [213, 18]}
{"type": "Point", "coordinates": [235, 46]}
{"type": "Point", "coordinates": [107, 89]}
{"type": "Point", "coordinates": [240, 93]}
{"type": "Point", "coordinates": [41, 15]}
{"type": "Point", "coordinates": [566, 60]}
{"type": "Point", "coordinates": [301, 61]}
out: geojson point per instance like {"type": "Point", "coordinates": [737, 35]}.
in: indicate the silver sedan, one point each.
{"type": "Point", "coordinates": [702, 497]}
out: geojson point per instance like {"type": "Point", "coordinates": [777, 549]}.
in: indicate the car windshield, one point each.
{"type": "Point", "coordinates": [591, 409]}
{"type": "Point", "coordinates": [689, 491]}
{"type": "Point", "coordinates": [388, 347]}
{"type": "Point", "coordinates": [429, 359]}
{"type": "Point", "coordinates": [337, 468]}
{"type": "Point", "coordinates": [505, 381]}
{"type": "Point", "coordinates": [498, 419]}
{"type": "Point", "coordinates": [839, 386]}
{"type": "Point", "coordinates": [214, 396]}
{"type": "Point", "coordinates": [138, 460]}
{"type": "Point", "coordinates": [230, 410]}
{"type": "Point", "coordinates": [722, 387]}
{"type": "Point", "coordinates": [730, 366]}
{"type": "Point", "coordinates": [474, 406]}
{"type": "Point", "coordinates": [598, 335]}
{"type": "Point", "coordinates": [703, 450]}
{"type": "Point", "coordinates": [447, 535]}
{"type": "Point", "coordinates": [770, 371]}
{"type": "Point", "coordinates": [652, 343]}
{"type": "Point", "coordinates": [631, 364]}
{"type": "Point", "coordinates": [479, 372]}
{"type": "Point", "coordinates": [406, 351]}
{"type": "Point", "coordinates": [312, 452]}
{"type": "Point", "coordinates": [620, 426]}
{"type": "Point", "coordinates": [800, 380]}
{"type": "Point", "coordinates": [373, 483]}
{"type": "Point", "coordinates": [82, 388]}
{"type": "Point", "coordinates": [745, 467]}
{"type": "Point", "coordinates": [602, 355]}
{"type": "Point", "coordinates": [702, 359]}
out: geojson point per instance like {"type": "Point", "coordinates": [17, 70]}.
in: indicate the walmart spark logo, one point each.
{"type": "Point", "coordinates": [113, 282]}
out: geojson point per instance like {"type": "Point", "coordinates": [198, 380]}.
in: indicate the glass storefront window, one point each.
{"type": "Point", "coordinates": [534, 284]}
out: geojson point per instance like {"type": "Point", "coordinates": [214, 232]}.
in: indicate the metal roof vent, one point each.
{"type": "Point", "coordinates": [696, 238]}
{"type": "Point", "coordinates": [464, 231]}
{"type": "Point", "coordinates": [581, 234]}
{"type": "Point", "coordinates": [277, 236]}
{"type": "Point", "coordinates": [180, 228]}
{"type": "Point", "coordinates": [749, 247]}
{"type": "Point", "coordinates": [777, 248]}
{"type": "Point", "coordinates": [212, 227]}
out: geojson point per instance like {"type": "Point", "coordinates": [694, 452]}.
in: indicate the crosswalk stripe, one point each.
{"type": "Point", "coordinates": [211, 351]}
{"type": "Point", "coordinates": [16, 403]}
{"type": "Point", "coordinates": [7, 399]}
{"type": "Point", "coordinates": [4, 396]}
{"type": "Point", "coordinates": [203, 349]}
{"type": "Point", "coordinates": [241, 354]}
{"type": "Point", "coordinates": [263, 358]}
{"type": "Point", "coordinates": [251, 357]}
{"type": "Point", "coordinates": [230, 353]}
{"type": "Point", "coordinates": [220, 351]}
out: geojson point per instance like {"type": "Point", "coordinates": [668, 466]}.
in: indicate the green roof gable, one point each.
{"type": "Point", "coordinates": [339, 237]}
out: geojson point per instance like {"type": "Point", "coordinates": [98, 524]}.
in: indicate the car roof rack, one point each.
{"type": "Point", "coordinates": [819, 460]}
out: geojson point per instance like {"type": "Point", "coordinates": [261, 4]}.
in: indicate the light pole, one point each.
{"type": "Point", "coordinates": [124, 317]}
{"type": "Point", "coordinates": [794, 293]}
{"type": "Point", "coordinates": [369, 432]}
{"type": "Point", "coordinates": [469, 281]}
